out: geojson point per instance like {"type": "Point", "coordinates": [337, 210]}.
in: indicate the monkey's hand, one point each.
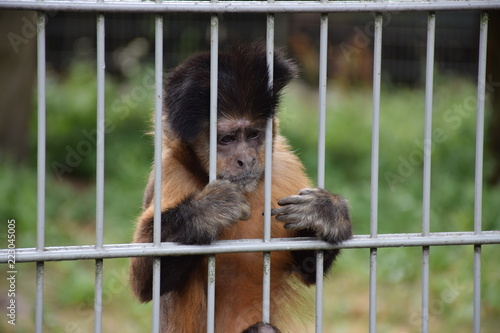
{"type": "Point", "coordinates": [326, 214]}
{"type": "Point", "coordinates": [221, 204]}
{"type": "Point", "coordinates": [200, 218]}
{"type": "Point", "coordinates": [197, 220]}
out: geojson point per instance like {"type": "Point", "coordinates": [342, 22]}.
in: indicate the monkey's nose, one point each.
{"type": "Point", "coordinates": [246, 162]}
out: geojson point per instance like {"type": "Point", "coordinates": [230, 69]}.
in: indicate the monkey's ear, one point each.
{"type": "Point", "coordinates": [285, 70]}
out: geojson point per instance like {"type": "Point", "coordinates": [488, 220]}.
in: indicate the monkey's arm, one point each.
{"type": "Point", "coordinates": [198, 219]}
{"type": "Point", "coordinates": [318, 213]}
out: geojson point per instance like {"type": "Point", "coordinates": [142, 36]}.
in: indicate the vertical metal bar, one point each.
{"type": "Point", "coordinates": [100, 131]}
{"type": "Point", "coordinates": [429, 79]}
{"type": "Point", "coordinates": [428, 122]}
{"type": "Point", "coordinates": [425, 289]}
{"type": "Point", "coordinates": [323, 53]}
{"type": "Point", "coordinates": [40, 276]}
{"type": "Point", "coordinates": [269, 131]}
{"type": "Point", "coordinates": [481, 91]}
{"type": "Point", "coordinates": [374, 168]}
{"type": "Point", "coordinates": [266, 282]}
{"type": "Point", "coordinates": [158, 125]}
{"type": "Point", "coordinates": [99, 171]}
{"type": "Point", "coordinates": [478, 182]}
{"type": "Point", "coordinates": [319, 291]}
{"type": "Point", "coordinates": [41, 153]}
{"type": "Point", "coordinates": [156, 295]}
{"type": "Point", "coordinates": [373, 291]}
{"type": "Point", "coordinates": [477, 289]}
{"type": "Point", "coordinates": [214, 68]}
{"type": "Point", "coordinates": [211, 294]}
{"type": "Point", "coordinates": [98, 296]}
{"type": "Point", "coordinates": [41, 159]}
{"type": "Point", "coordinates": [158, 167]}
{"type": "Point", "coordinates": [375, 125]}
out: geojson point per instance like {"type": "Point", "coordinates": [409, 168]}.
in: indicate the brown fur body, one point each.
{"type": "Point", "coordinates": [238, 275]}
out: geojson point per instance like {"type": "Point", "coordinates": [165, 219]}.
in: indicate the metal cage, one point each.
{"type": "Point", "coordinates": [100, 251]}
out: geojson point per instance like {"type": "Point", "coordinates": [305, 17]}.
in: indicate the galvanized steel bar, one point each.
{"type": "Point", "coordinates": [57, 253]}
{"type": "Point", "coordinates": [155, 314]}
{"type": "Point", "coordinates": [98, 295]}
{"type": "Point", "coordinates": [40, 277]}
{"type": "Point", "coordinates": [41, 160]}
{"type": "Point", "coordinates": [251, 6]}
{"type": "Point", "coordinates": [211, 294]}
{"type": "Point", "coordinates": [100, 29]}
{"type": "Point", "coordinates": [41, 149]}
{"type": "Point", "coordinates": [214, 70]}
{"type": "Point", "coordinates": [157, 169]}
{"type": "Point", "coordinates": [266, 265]}
{"type": "Point", "coordinates": [158, 127]}
{"type": "Point", "coordinates": [100, 131]}
{"type": "Point", "coordinates": [319, 291]}
{"type": "Point", "coordinates": [214, 49]}
{"type": "Point", "coordinates": [375, 125]}
{"type": "Point", "coordinates": [323, 54]}
{"type": "Point", "coordinates": [266, 287]}
{"type": "Point", "coordinates": [377, 61]}
{"type": "Point", "coordinates": [429, 79]}
{"type": "Point", "coordinates": [481, 96]}
{"type": "Point", "coordinates": [478, 182]}
{"type": "Point", "coordinates": [425, 289]}
{"type": "Point", "coordinates": [372, 315]}
{"type": "Point", "coordinates": [269, 132]}
{"type": "Point", "coordinates": [477, 289]}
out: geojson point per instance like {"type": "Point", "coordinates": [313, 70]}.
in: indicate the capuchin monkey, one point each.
{"type": "Point", "coordinates": [194, 211]}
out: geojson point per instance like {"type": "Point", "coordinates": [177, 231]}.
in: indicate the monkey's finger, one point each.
{"type": "Point", "coordinates": [289, 218]}
{"type": "Point", "coordinates": [292, 226]}
{"type": "Point", "coordinates": [295, 225]}
{"type": "Point", "coordinates": [293, 199]}
{"type": "Point", "coordinates": [306, 191]}
{"type": "Point", "coordinates": [278, 211]}
{"type": "Point", "coordinates": [288, 209]}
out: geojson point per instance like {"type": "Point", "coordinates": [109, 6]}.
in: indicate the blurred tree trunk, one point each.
{"type": "Point", "coordinates": [17, 75]}
{"type": "Point", "coordinates": [493, 87]}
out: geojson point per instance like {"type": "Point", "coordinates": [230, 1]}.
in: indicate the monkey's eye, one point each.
{"type": "Point", "coordinates": [253, 134]}
{"type": "Point", "coordinates": [226, 139]}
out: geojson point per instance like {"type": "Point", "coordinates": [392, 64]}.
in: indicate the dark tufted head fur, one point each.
{"type": "Point", "coordinates": [243, 89]}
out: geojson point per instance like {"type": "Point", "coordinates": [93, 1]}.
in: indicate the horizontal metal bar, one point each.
{"type": "Point", "coordinates": [250, 6]}
{"type": "Point", "coordinates": [248, 245]}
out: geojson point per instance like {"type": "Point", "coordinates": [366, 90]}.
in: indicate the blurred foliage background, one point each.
{"type": "Point", "coordinates": [70, 193]}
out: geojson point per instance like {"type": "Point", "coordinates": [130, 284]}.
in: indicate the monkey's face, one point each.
{"type": "Point", "coordinates": [240, 151]}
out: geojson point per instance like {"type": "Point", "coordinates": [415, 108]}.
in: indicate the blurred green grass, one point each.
{"type": "Point", "coordinates": [70, 203]}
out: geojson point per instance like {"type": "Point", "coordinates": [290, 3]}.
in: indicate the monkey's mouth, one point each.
{"type": "Point", "coordinates": [247, 183]}
{"type": "Point", "coordinates": [243, 179]}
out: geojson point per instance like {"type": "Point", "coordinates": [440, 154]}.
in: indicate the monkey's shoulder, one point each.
{"type": "Point", "coordinates": [178, 182]}
{"type": "Point", "coordinates": [181, 166]}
